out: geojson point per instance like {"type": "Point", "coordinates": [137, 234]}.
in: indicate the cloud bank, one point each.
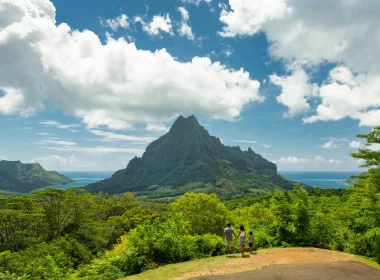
{"type": "Point", "coordinates": [110, 84]}
{"type": "Point", "coordinates": [313, 33]}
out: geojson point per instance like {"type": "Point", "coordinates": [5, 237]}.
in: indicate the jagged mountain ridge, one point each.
{"type": "Point", "coordinates": [19, 177]}
{"type": "Point", "coordinates": [188, 153]}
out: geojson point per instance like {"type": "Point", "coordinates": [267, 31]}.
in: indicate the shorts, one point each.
{"type": "Point", "coordinates": [229, 243]}
{"type": "Point", "coordinates": [250, 245]}
{"type": "Point", "coordinates": [242, 241]}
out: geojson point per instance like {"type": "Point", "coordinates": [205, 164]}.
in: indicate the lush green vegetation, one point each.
{"type": "Point", "coordinates": [48, 234]}
{"type": "Point", "coordinates": [72, 234]}
{"type": "Point", "coordinates": [56, 234]}
{"type": "Point", "coordinates": [9, 193]}
{"type": "Point", "coordinates": [225, 189]}
{"type": "Point", "coordinates": [18, 177]}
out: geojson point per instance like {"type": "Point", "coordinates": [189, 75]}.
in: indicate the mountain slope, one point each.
{"type": "Point", "coordinates": [19, 177]}
{"type": "Point", "coordinates": [189, 154]}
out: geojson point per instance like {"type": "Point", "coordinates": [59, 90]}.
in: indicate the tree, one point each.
{"type": "Point", "coordinates": [371, 156]}
{"type": "Point", "coordinates": [292, 216]}
{"type": "Point", "coordinates": [204, 213]}
{"type": "Point", "coordinates": [20, 223]}
{"type": "Point", "coordinates": [366, 223]}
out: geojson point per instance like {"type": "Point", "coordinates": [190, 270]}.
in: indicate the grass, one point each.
{"type": "Point", "coordinates": [367, 261]}
{"type": "Point", "coordinates": [172, 270]}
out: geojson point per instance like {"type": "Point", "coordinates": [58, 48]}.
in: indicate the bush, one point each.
{"type": "Point", "coordinates": [152, 245]}
{"type": "Point", "coordinates": [100, 269]}
{"type": "Point", "coordinates": [77, 252]}
{"type": "Point", "coordinates": [46, 261]}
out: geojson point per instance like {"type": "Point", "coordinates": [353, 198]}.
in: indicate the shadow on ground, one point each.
{"type": "Point", "coordinates": [341, 270]}
{"type": "Point", "coordinates": [235, 256]}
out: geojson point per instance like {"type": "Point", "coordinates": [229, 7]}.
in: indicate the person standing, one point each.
{"type": "Point", "coordinates": [227, 237]}
{"type": "Point", "coordinates": [242, 236]}
{"type": "Point", "coordinates": [251, 239]}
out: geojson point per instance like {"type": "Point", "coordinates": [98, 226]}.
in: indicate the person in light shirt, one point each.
{"type": "Point", "coordinates": [227, 237]}
{"type": "Point", "coordinates": [242, 235]}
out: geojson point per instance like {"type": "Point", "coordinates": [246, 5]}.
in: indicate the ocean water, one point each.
{"type": "Point", "coordinates": [323, 180]}
{"type": "Point", "coordinates": [84, 178]}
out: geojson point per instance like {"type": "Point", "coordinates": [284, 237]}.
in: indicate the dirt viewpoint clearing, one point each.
{"type": "Point", "coordinates": [341, 270]}
{"type": "Point", "coordinates": [230, 265]}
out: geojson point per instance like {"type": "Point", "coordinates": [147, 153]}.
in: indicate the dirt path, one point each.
{"type": "Point", "coordinates": [279, 258]}
{"type": "Point", "coordinates": [341, 270]}
{"type": "Point", "coordinates": [268, 257]}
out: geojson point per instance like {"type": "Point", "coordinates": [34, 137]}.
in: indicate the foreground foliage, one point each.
{"type": "Point", "coordinates": [56, 234]}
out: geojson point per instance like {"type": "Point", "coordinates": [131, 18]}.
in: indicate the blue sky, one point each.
{"type": "Point", "coordinates": [86, 85]}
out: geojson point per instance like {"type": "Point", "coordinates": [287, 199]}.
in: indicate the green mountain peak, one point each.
{"type": "Point", "coordinates": [188, 154]}
{"type": "Point", "coordinates": [185, 126]}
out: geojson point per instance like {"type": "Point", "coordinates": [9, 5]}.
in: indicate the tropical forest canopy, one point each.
{"type": "Point", "coordinates": [73, 234]}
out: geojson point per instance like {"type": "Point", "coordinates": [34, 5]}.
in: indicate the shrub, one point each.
{"type": "Point", "coordinates": [100, 269]}
{"type": "Point", "coordinates": [46, 261]}
{"type": "Point", "coordinates": [152, 245]}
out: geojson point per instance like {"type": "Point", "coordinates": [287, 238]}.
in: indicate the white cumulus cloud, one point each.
{"type": "Point", "coordinates": [334, 143]}
{"type": "Point", "coordinates": [114, 23]}
{"type": "Point", "coordinates": [55, 162]}
{"type": "Point", "coordinates": [317, 160]}
{"type": "Point", "coordinates": [196, 2]}
{"type": "Point", "coordinates": [355, 144]}
{"type": "Point", "coordinates": [361, 161]}
{"type": "Point", "coordinates": [321, 159]}
{"type": "Point", "coordinates": [13, 102]}
{"type": "Point", "coordinates": [296, 91]}
{"type": "Point", "coordinates": [157, 25]}
{"type": "Point", "coordinates": [315, 31]}
{"type": "Point", "coordinates": [291, 160]}
{"type": "Point", "coordinates": [247, 17]}
{"type": "Point", "coordinates": [331, 145]}
{"type": "Point", "coordinates": [347, 95]}
{"type": "Point", "coordinates": [374, 147]}
{"type": "Point", "coordinates": [341, 32]}
{"type": "Point", "coordinates": [185, 30]}
{"type": "Point", "coordinates": [107, 136]}
{"type": "Point", "coordinates": [3, 158]}
{"type": "Point", "coordinates": [158, 128]}
{"type": "Point", "coordinates": [110, 84]}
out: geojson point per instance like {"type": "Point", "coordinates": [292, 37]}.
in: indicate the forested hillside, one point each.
{"type": "Point", "coordinates": [56, 234]}
{"type": "Point", "coordinates": [18, 177]}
